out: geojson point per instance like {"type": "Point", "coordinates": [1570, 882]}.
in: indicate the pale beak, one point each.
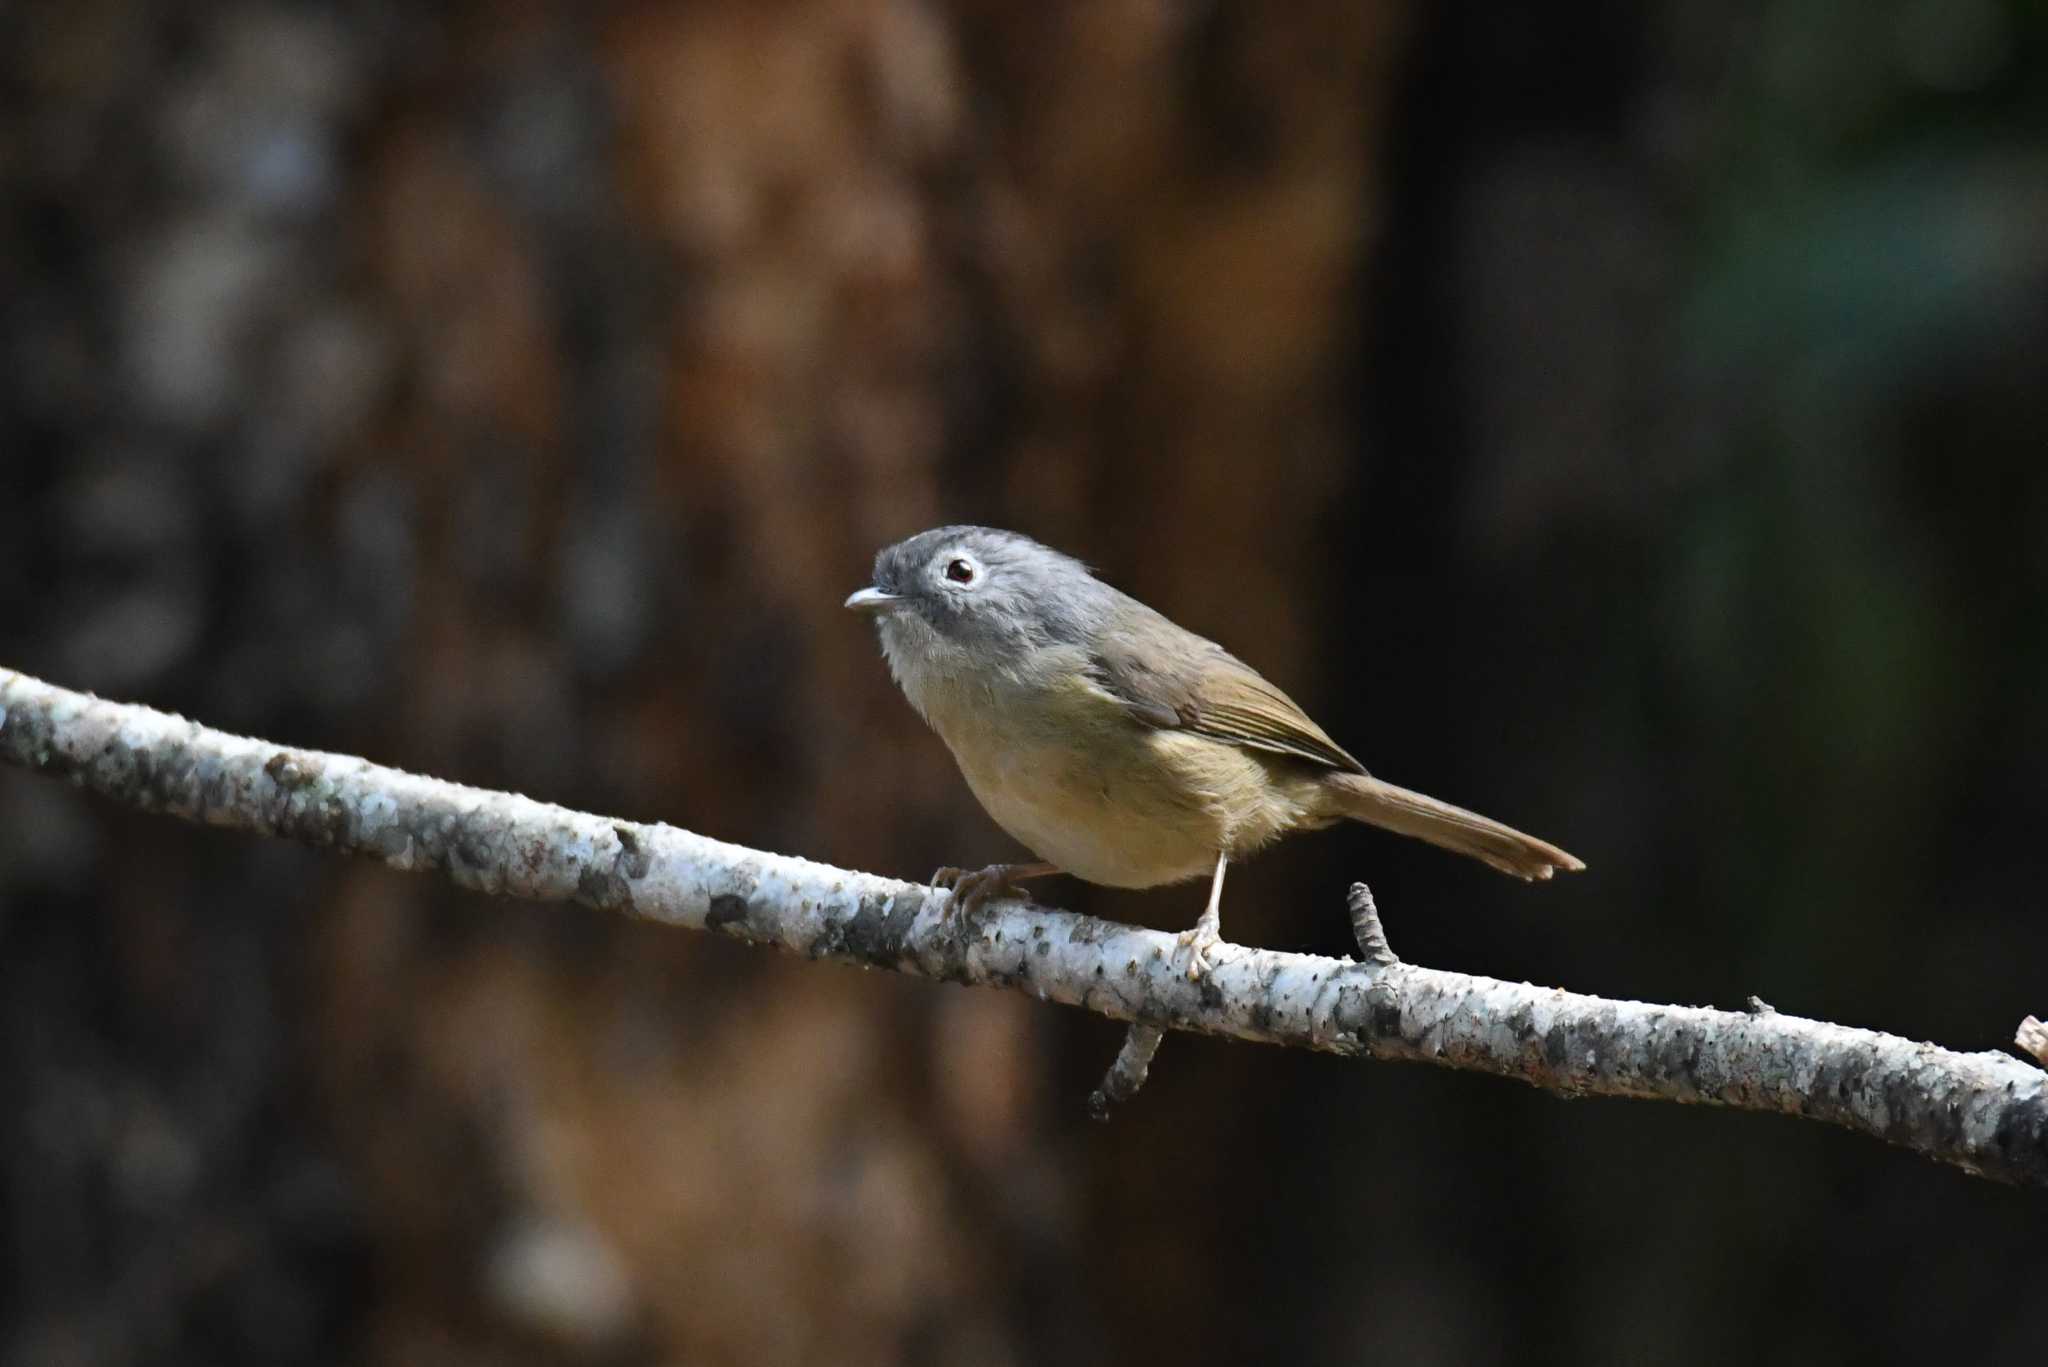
{"type": "Point", "coordinates": [873, 601]}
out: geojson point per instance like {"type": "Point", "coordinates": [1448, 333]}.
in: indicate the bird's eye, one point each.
{"type": "Point", "coordinates": [960, 571]}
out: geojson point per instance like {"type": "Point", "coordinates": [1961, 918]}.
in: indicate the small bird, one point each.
{"type": "Point", "coordinates": [1115, 745]}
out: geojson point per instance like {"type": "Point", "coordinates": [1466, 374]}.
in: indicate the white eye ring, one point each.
{"type": "Point", "coordinates": [960, 569]}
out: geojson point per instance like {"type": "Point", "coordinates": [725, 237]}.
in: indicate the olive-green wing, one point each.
{"type": "Point", "coordinates": [1180, 681]}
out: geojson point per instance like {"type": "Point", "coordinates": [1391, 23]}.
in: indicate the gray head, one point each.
{"type": "Point", "coordinates": [956, 599]}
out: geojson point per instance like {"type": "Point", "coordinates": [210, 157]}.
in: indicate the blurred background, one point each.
{"type": "Point", "coordinates": [1626, 419]}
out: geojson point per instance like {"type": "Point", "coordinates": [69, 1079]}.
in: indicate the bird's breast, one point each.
{"type": "Point", "coordinates": [1066, 771]}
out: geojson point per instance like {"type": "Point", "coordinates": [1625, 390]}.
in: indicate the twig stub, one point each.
{"type": "Point", "coordinates": [1367, 930]}
{"type": "Point", "coordinates": [2033, 1037]}
{"type": "Point", "coordinates": [1127, 1073]}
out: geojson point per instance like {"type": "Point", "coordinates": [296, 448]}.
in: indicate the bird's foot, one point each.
{"type": "Point", "coordinates": [1197, 950]}
{"type": "Point", "coordinates": [972, 887]}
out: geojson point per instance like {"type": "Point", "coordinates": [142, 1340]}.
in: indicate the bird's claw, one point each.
{"type": "Point", "coordinates": [972, 887]}
{"type": "Point", "coordinates": [1197, 948]}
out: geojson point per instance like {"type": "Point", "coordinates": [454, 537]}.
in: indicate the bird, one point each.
{"type": "Point", "coordinates": [1114, 744]}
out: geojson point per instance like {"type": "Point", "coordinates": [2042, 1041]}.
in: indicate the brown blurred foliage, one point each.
{"type": "Point", "coordinates": [832, 207]}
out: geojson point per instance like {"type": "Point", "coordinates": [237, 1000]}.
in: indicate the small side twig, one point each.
{"type": "Point", "coordinates": [1367, 930]}
{"type": "Point", "coordinates": [1127, 1074]}
{"type": "Point", "coordinates": [2033, 1037]}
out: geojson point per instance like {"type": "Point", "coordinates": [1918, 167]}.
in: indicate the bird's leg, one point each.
{"type": "Point", "coordinates": [1208, 930]}
{"type": "Point", "coordinates": [972, 887]}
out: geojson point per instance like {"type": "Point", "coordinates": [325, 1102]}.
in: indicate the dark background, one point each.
{"type": "Point", "coordinates": [1626, 419]}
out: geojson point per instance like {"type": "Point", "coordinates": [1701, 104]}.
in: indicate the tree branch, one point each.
{"type": "Point", "coordinates": [1986, 1113]}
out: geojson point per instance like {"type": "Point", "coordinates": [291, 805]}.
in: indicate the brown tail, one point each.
{"type": "Point", "coordinates": [1367, 799]}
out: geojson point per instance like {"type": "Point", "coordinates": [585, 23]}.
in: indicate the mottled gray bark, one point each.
{"type": "Point", "coordinates": [1985, 1112]}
